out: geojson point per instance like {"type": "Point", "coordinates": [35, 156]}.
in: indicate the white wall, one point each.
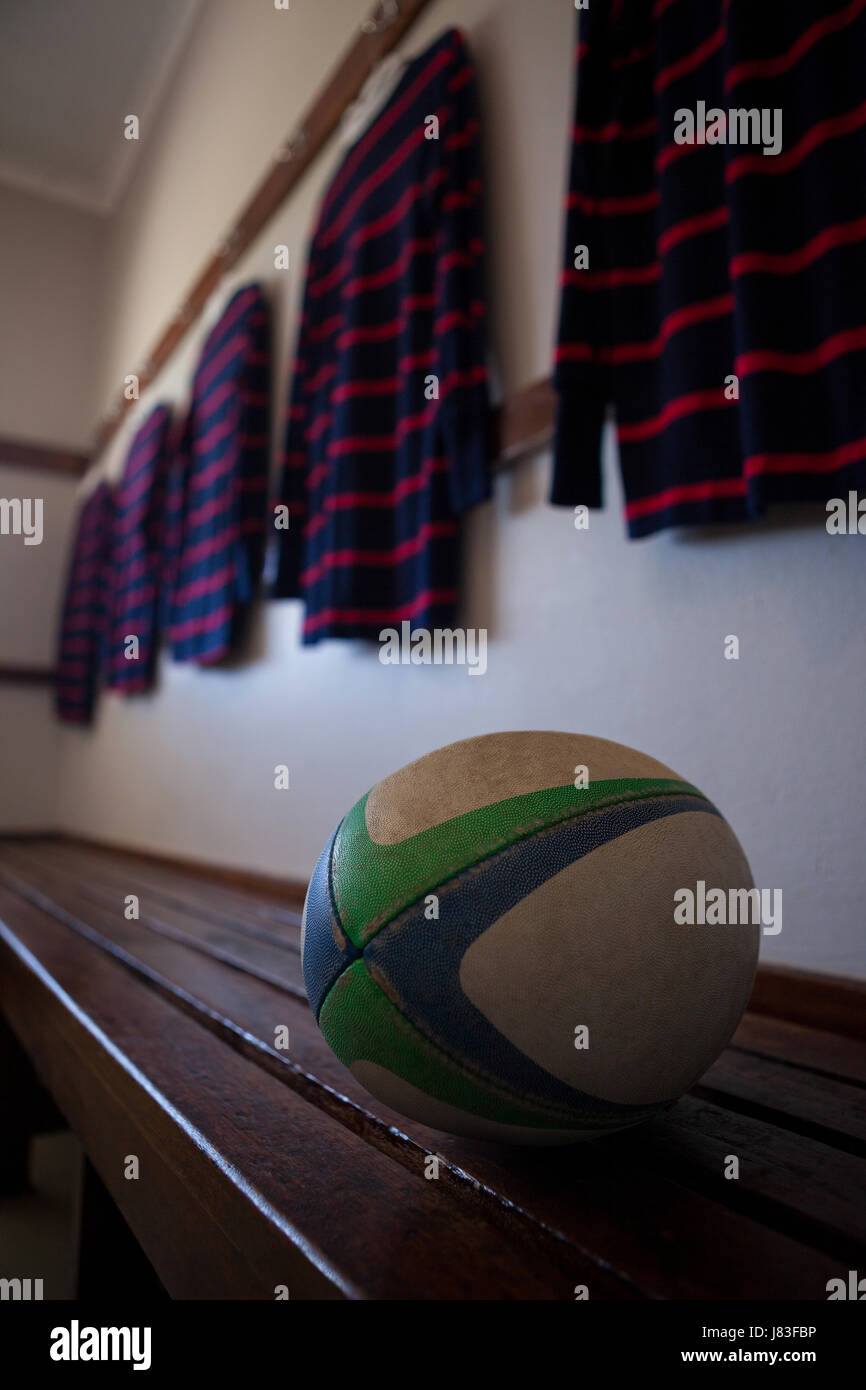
{"type": "Point", "coordinates": [587, 631]}
{"type": "Point", "coordinates": [49, 281]}
{"type": "Point", "coordinates": [50, 285]}
{"type": "Point", "coordinates": [31, 580]}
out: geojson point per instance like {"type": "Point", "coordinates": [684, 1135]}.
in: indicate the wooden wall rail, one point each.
{"type": "Point", "coordinates": [525, 422]}
{"type": "Point", "coordinates": [15, 453]}
{"type": "Point", "coordinates": [380, 33]}
{"type": "Point", "coordinates": [26, 675]}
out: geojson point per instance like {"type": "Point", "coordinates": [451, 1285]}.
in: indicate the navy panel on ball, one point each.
{"type": "Point", "coordinates": [326, 949]}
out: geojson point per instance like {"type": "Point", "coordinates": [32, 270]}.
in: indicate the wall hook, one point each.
{"type": "Point", "coordinates": [387, 13]}
{"type": "Point", "coordinates": [228, 244]}
{"type": "Point", "coordinates": [294, 146]}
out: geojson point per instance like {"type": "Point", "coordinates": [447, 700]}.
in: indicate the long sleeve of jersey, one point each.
{"type": "Point", "coordinates": [293, 469]}
{"type": "Point", "coordinates": [85, 609]}
{"type": "Point", "coordinates": [460, 291]}
{"type": "Point", "coordinates": [580, 377]}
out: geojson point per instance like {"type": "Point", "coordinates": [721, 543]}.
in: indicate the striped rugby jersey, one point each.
{"type": "Point", "coordinates": [135, 562]}
{"type": "Point", "coordinates": [82, 623]}
{"type": "Point", "coordinates": [216, 505]}
{"type": "Point", "coordinates": [377, 470]}
{"type": "Point", "coordinates": [709, 260]}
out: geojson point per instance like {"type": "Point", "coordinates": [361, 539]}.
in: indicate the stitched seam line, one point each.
{"type": "Point", "coordinates": [333, 896]}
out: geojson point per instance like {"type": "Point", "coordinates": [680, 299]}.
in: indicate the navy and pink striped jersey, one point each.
{"type": "Point", "coordinates": [216, 507]}
{"type": "Point", "coordinates": [711, 260]}
{"type": "Point", "coordinates": [82, 623]}
{"type": "Point", "coordinates": [388, 437]}
{"type": "Point", "coordinates": [171, 537]}
{"type": "Point", "coordinates": [136, 560]}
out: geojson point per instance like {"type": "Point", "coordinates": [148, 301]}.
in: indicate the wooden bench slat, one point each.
{"type": "Point", "coordinates": [278, 963]}
{"type": "Point", "coordinates": [790, 1182]}
{"type": "Point", "coordinates": [246, 914]}
{"type": "Point", "coordinates": [832, 1111]}
{"type": "Point", "coordinates": [819, 1052]}
{"type": "Point", "coordinates": [201, 887]}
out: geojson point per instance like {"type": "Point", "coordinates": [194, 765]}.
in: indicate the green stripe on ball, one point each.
{"type": "Point", "coordinates": [380, 881]}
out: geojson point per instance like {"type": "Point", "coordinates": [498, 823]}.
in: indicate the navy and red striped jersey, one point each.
{"type": "Point", "coordinates": [82, 623]}
{"type": "Point", "coordinates": [171, 535]}
{"type": "Point", "coordinates": [135, 561]}
{"type": "Point", "coordinates": [388, 436]}
{"type": "Point", "coordinates": [711, 260]}
{"type": "Point", "coordinates": [216, 507]}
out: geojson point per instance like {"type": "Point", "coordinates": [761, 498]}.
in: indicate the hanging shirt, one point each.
{"type": "Point", "coordinates": [216, 508]}
{"type": "Point", "coordinates": [388, 438]}
{"type": "Point", "coordinates": [717, 189]}
{"type": "Point", "coordinates": [82, 624]}
{"type": "Point", "coordinates": [138, 513]}
{"type": "Point", "coordinates": [171, 533]}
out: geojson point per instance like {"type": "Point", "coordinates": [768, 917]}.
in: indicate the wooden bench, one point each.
{"type": "Point", "coordinates": [262, 1167]}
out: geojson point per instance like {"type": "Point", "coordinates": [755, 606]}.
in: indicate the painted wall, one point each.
{"type": "Point", "coordinates": [587, 631]}
{"type": "Point", "coordinates": [50, 291]}
{"type": "Point", "coordinates": [50, 257]}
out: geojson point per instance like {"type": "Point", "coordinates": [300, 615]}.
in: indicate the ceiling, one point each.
{"type": "Point", "coordinates": [70, 72]}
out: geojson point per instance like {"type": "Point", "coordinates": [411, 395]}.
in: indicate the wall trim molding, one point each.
{"type": "Point", "coordinates": [19, 453]}
{"type": "Point", "coordinates": [27, 675]}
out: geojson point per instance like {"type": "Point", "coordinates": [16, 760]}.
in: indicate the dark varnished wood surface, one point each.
{"type": "Point", "coordinates": [263, 1167]}
{"type": "Point", "coordinates": [27, 675]}
{"type": "Point", "coordinates": [48, 458]}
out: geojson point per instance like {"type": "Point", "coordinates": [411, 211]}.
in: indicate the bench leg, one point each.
{"type": "Point", "coordinates": [107, 1249]}
{"type": "Point", "coordinates": [25, 1109]}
